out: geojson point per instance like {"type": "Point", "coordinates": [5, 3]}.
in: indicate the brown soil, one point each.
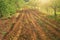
{"type": "Point", "coordinates": [29, 25]}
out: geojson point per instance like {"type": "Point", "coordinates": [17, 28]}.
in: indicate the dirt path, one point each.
{"type": "Point", "coordinates": [30, 25]}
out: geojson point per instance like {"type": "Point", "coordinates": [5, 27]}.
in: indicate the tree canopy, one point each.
{"type": "Point", "coordinates": [9, 7]}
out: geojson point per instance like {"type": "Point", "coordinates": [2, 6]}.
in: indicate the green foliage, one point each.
{"type": "Point", "coordinates": [7, 7]}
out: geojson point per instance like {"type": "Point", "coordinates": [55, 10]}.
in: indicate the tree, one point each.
{"type": "Point", "coordinates": [55, 4]}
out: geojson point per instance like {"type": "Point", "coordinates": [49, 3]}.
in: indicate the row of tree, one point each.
{"type": "Point", "coordinates": [53, 5]}
{"type": "Point", "coordinates": [9, 7]}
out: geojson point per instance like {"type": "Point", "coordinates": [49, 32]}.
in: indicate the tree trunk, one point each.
{"type": "Point", "coordinates": [55, 13]}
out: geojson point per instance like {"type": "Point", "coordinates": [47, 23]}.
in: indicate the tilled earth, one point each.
{"type": "Point", "coordinates": [29, 25]}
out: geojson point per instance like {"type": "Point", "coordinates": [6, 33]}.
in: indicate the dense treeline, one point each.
{"type": "Point", "coordinates": [9, 7]}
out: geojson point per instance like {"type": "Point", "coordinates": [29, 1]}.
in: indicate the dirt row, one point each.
{"type": "Point", "coordinates": [30, 25]}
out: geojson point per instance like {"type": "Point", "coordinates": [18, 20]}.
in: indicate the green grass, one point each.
{"type": "Point", "coordinates": [55, 18]}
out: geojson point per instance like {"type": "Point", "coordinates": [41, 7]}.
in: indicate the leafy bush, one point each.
{"type": "Point", "coordinates": [7, 7]}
